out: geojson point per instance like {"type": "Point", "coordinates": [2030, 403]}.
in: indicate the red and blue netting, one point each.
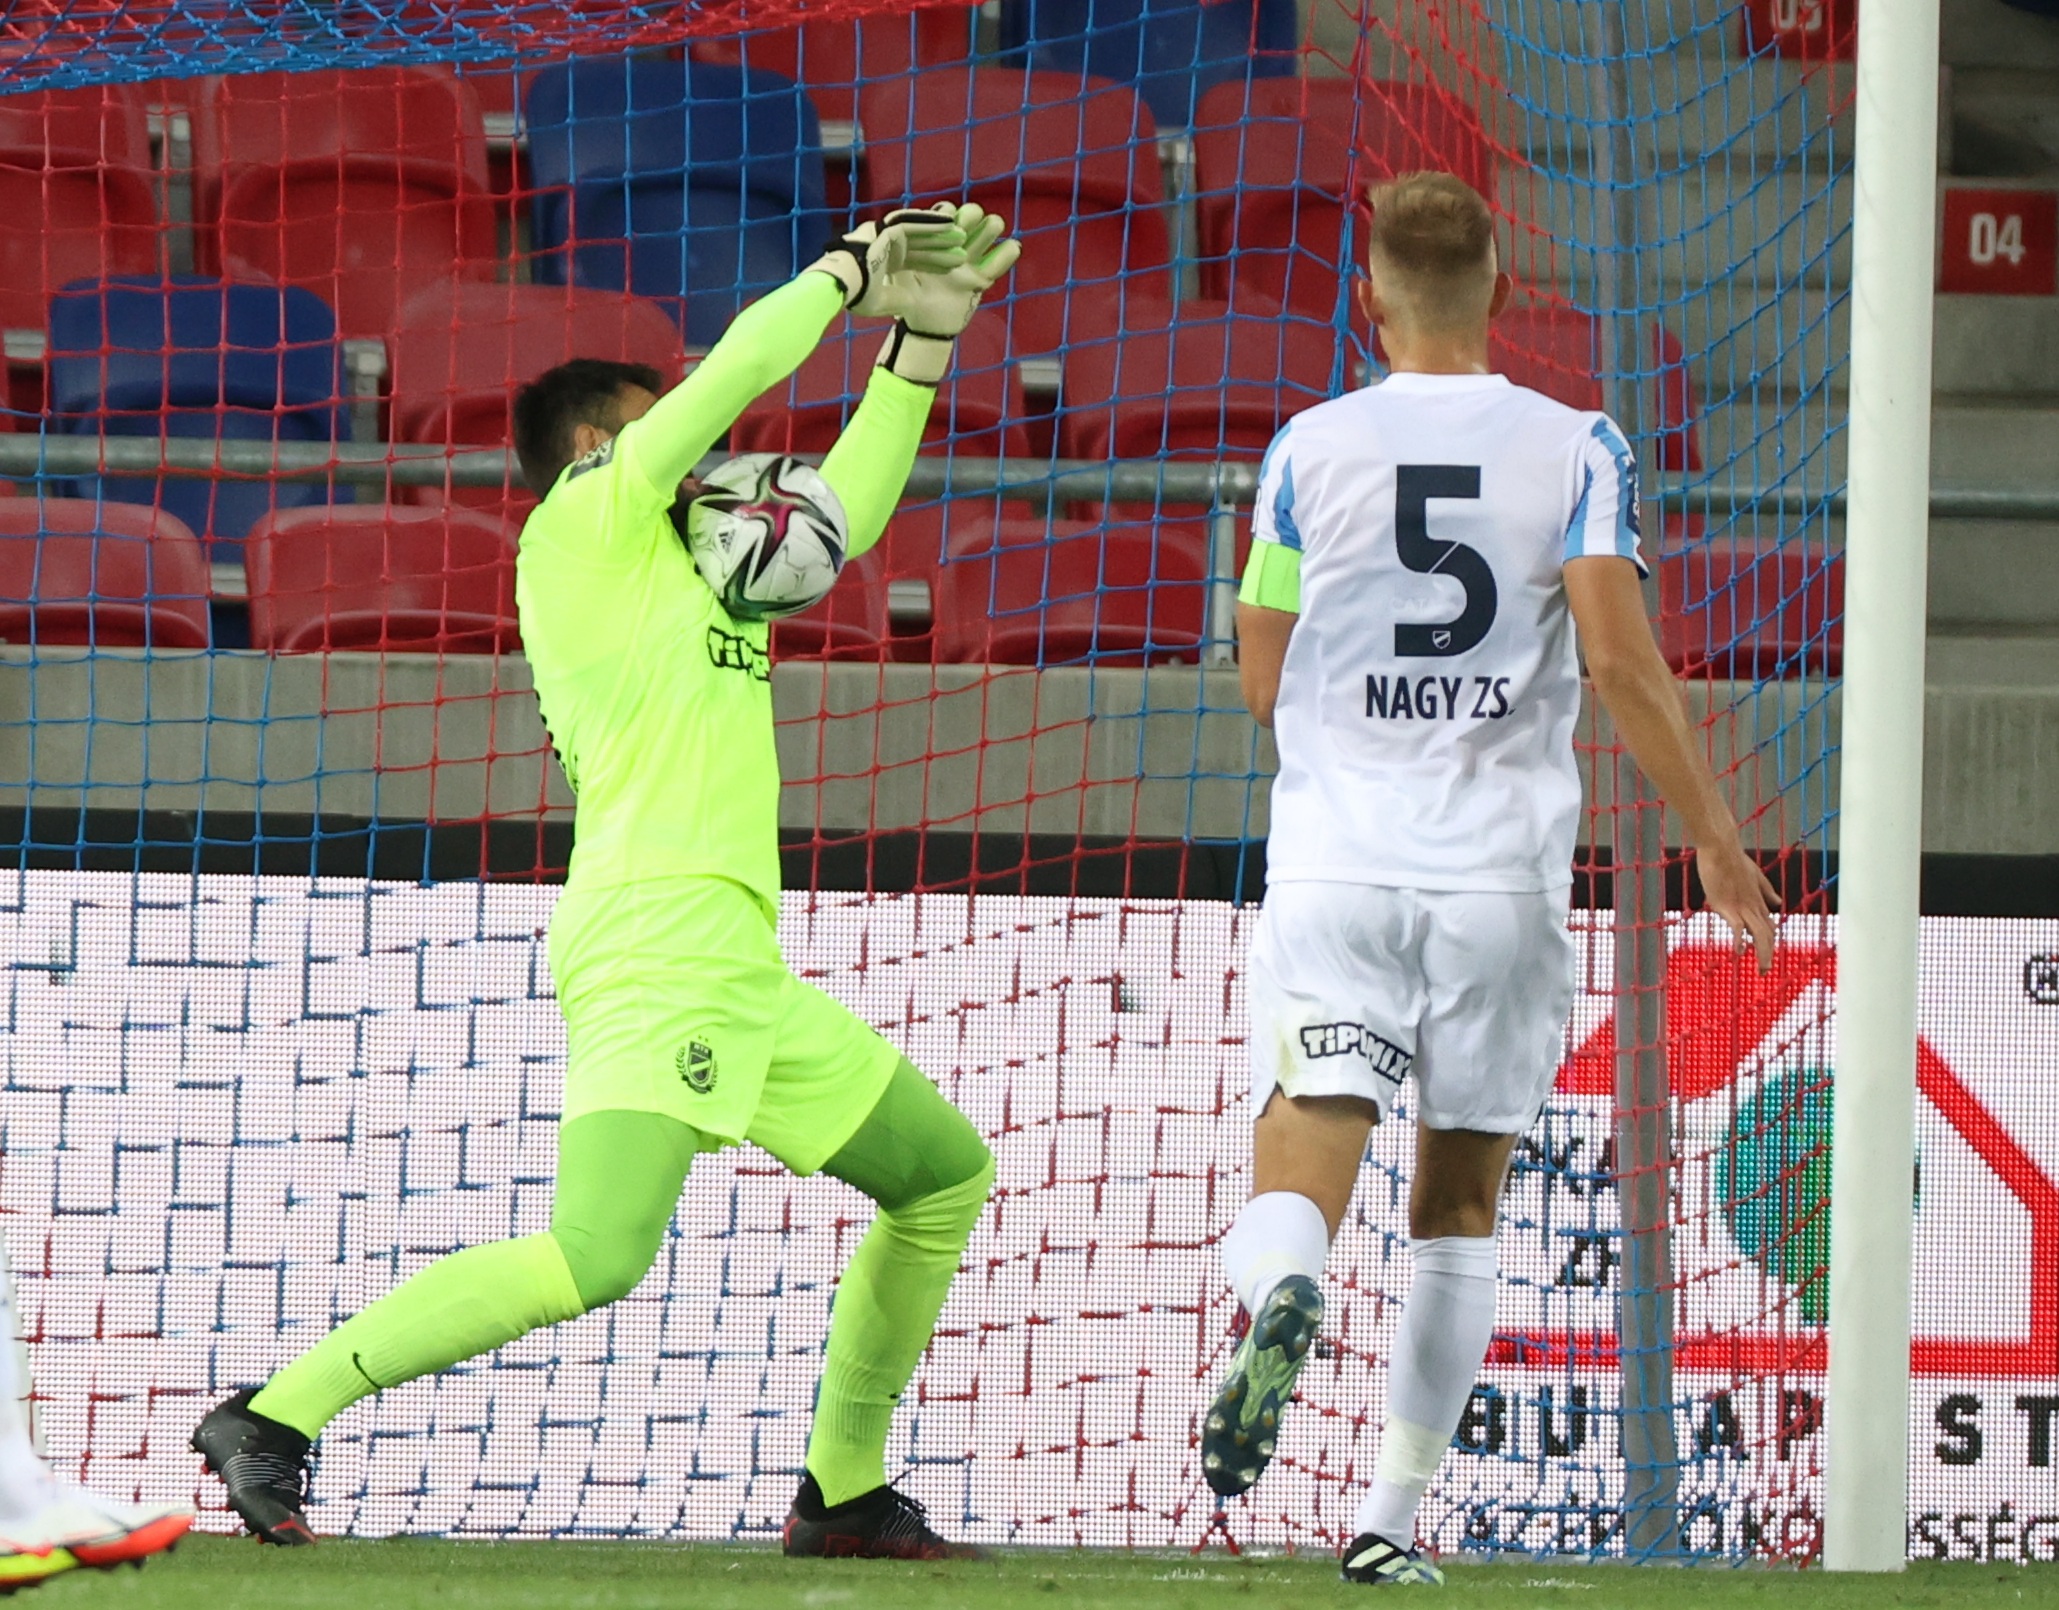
{"type": "Point", "coordinates": [287, 826]}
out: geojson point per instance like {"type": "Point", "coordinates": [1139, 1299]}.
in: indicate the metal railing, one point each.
{"type": "Point", "coordinates": [1222, 487]}
{"type": "Point", "coordinates": [1230, 482]}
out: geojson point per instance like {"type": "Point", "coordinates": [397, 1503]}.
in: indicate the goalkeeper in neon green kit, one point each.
{"type": "Point", "coordinates": [685, 1030]}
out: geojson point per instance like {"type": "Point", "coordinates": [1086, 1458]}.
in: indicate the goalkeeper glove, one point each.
{"type": "Point", "coordinates": [935, 306]}
{"type": "Point", "coordinates": [872, 263]}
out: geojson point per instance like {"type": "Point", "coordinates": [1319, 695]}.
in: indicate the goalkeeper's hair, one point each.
{"type": "Point", "coordinates": [585, 391]}
{"type": "Point", "coordinates": [1431, 246]}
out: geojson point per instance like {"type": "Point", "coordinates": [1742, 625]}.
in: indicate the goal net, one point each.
{"type": "Point", "coordinates": [286, 832]}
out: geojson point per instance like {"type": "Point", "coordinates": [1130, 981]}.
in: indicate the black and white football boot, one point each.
{"type": "Point", "coordinates": [1373, 1560]}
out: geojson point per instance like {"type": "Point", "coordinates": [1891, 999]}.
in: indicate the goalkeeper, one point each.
{"type": "Point", "coordinates": [685, 1030]}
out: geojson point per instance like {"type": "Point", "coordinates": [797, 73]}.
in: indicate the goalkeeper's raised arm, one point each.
{"type": "Point", "coordinates": [868, 467]}
{"type": "Point", "coordinates": [925, 269]}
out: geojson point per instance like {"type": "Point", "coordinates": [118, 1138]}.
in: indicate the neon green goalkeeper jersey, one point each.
{"type": "Point", "coordinates": [658, 703]}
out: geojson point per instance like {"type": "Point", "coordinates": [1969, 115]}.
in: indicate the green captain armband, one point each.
{"type": "Point", "coordinates": [1272, 578]}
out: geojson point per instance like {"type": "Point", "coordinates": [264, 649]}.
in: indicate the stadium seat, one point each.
{"type": "Point", "coordinates": [78, 193]}
{"type": "Point", "coordinates": [674, 178]}
{"type": "Point", "coordinates": [1169, 51]}
{"type": "Point", "coordinates": [194, 357]}
{"type": "Point", "coordinates": [979, 411]}
{"type": "Point", "coordinates": [360, 186]}
{"type": "Point", "coordinates": [398, 579]}
{"type": "Point", "coordinates": [850, 624]}
{"type": "Point", "coordinates": [1278, 160]}
{"type": "Point", "coordinates": [1210, 383]}
{"type": "Point", "coordinates": [500, 86]}
{"type": "Point", "coordinates": [461, 351]}
{"type": "Point", "coordinates": [1558, 351]}
{"type": "Point", "coordinates": [1031, 592]}
{"type": "Point", "coordinates": [1072, 164]}
{"type": "Point", "coordinates": [830, 57]}
{"type": "Point", "coordinates": [73, 571]}
{"type": "Point", "coordinates": [1754, 615]}
{"type": "Point", "coordinates": [1189, 383]}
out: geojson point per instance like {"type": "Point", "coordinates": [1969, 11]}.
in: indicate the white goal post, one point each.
{"type": "Point", "coordinates": [1866, 1450]}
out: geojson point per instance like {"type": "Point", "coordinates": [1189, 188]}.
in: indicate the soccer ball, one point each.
{"type": "Point", "coordinates": [768, 533]}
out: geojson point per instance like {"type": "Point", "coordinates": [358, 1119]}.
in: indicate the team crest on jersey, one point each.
{"type": "Point", "coordinates": [696, 1064]}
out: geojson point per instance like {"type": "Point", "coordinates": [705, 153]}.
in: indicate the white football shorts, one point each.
{"type": "Point", "coordinates": [1356, 986]}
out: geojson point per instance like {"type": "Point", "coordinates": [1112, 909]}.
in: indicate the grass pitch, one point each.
{"type": "Point", "coordinates": [213, 1573]}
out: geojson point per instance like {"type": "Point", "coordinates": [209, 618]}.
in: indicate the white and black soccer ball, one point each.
{"type": "Point", "coordinates": [768, 533]}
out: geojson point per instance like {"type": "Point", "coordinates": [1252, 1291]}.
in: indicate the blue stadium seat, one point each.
{"type": "Point", "coordinates": [196, 357]}
{"type": "Point", "coordinates": [674, 178]}
{"type": "Point", "coordinates": [1169, 51]}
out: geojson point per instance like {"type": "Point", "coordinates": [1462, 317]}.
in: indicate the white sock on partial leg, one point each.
{"type": "Point", "coordinates": [25, 1482]}
{"type": "Point", "coordinates": [1279, 1233]}
{"type": "Point", "coordinates": [1446, 1325]}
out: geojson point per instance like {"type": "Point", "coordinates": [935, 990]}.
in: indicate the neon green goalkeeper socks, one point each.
{"type": "Point", "coordinates": [926, 1167]}
{"type": "Point", "coordinates": [619, 1175]}
{"type": "Point", "coordinates": [886, 1309]}
{"type": "Point", "coordinates": [458, 1307]}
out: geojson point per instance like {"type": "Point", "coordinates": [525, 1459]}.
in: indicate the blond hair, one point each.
{"type": "Point", "coordinates": [1431, 249]}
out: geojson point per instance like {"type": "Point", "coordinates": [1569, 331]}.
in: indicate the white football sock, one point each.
{"type": "Point", "coordinates": [25, 1482]}
{"type": "Point", "coordinates": [1446, 1325]}
{"type": "Point", "coordinates": [1279, 1233]}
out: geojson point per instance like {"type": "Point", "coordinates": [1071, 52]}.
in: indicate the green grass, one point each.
{"type": "Point", "coordinates": [211, 1573]}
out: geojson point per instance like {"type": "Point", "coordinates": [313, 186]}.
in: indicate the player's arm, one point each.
{"type": "Point", "coordinates": [1269, 598]}
{"type": "Point", "coordinates": [1268, 605]}
{"type": "Point", "coordinates": [1604, 588]}
{"type": "Point", "coordinates": [868, 467]}
{"type": "Point", "coordinates": [772, 337]}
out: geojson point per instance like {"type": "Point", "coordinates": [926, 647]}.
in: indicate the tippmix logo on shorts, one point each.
{"type": "Point", "coordinates": [1386, 1058]}
{"type": "Point", "coordinates": [695, 1061]}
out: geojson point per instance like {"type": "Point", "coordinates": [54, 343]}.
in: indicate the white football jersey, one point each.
{"type": "Point", "coordinates": [1426, 708]}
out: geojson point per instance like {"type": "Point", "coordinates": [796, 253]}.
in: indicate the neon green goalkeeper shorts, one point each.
{"type": "Point", "coordinates": [677, 1001]}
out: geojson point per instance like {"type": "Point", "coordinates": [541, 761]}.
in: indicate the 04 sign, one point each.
{"type": "Point", "coordinates": [2000, 241]}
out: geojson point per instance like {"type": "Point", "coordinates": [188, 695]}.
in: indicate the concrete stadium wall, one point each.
{"type": "Point", "coordinates": [1162, 753]}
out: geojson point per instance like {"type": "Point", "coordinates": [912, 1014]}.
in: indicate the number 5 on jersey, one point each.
{"type": "Point", "coordinates": [1414, 486]}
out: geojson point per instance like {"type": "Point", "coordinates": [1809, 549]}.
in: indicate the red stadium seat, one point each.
{"type": "Point", "coordinates": [1207, 379]}
{"type": "Point", "coordinates": [1027, 592]}
{"type": "Point", "coordinates": [1278, 160]}
{"type": "Point", "coordinates": [1212, 383]}
{"type": "Point", "coordinates": [1752, 615]}
{"type": "Point", "coordinates": [399, 579]}
{"type": "Point", "coordinates": [78, 193]}
{"type": "Point", "coordinates": [912, 554]}
{"type": "Point", "coordinates": [461, 351]}
{"type": "Point", "coordinates": [850, 624]}
{"type": "Point", "coordinates": [831, 57]}
{"type": "Point", "coordinates": [1072, 164]}
{"type": "Point", "coordinates": [116, 575]}
{"type": "Point", "coordinates": [1558, 351]}
{"type": "Point", "coordinates": [979, 411]}
{"type": "Point", "coordinates": [362, 186]}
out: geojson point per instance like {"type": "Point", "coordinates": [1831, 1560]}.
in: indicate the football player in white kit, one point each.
{"type": "Point", "coordinates": [1424, 550]}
